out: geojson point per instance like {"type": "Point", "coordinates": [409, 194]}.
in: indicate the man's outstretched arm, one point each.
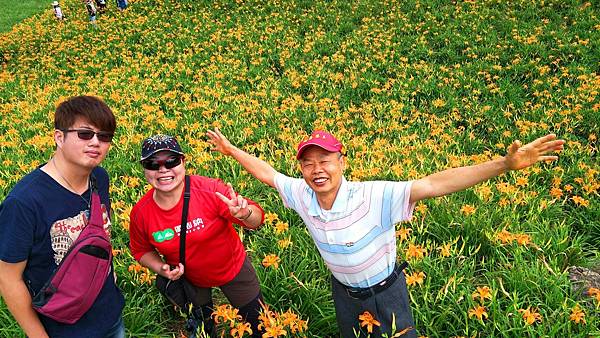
{"type": "Point", "coordinates": [457, 179]}
{"type": "Point", "coordinates": [258, 168]}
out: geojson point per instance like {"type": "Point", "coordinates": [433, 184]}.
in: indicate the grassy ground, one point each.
{"type": "Point", "coordinates": [14, 11]}
{"type": "Point", "coordinates": [410, 87]}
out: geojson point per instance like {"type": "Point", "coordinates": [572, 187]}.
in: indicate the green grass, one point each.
{"type": "Point", "coordinates": [15, 11]}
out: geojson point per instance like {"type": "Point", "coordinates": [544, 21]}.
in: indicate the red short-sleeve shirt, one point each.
{"type": "Point", "coordinates": [214, 251]}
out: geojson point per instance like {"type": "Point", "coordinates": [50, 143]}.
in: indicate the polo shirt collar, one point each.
{"type": "Point", "coordinates": [339, 205]}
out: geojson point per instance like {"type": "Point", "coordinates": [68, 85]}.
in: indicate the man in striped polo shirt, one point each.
{"type": "Point", "coordinates": [352, 223]}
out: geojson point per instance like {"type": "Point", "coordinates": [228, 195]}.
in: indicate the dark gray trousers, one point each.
{"type": "Point", "coordinates": [391, 301]}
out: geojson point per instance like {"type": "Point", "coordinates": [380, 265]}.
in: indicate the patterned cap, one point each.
{"type": "Point", "coordinates": [156, 143]}
{"type": "Point", "coordinates": [321, 139]}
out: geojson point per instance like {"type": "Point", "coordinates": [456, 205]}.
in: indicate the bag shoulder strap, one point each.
{"type": "Point", "coordinates": [184, 215]}
{"type": "Point", "coordinates": [95, 208]}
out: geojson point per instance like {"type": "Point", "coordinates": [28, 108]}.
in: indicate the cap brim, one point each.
{"type": "Point", "coordinates": [159, 150]}
{"type": "Point", "coordinates": [332, 149]}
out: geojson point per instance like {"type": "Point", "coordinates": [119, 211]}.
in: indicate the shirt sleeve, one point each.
{"type": "Point", "coordinates": [17, 226]}
{"type": "Point", "coordinates": [138, 241]}
{"type": "Point", "coordinates": [402, 209]}
{"type": "Point", "coordinates": [289, 189]}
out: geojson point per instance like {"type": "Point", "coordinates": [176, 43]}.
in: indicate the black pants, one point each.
{"type": "Point", "coordinates": [392, 302]}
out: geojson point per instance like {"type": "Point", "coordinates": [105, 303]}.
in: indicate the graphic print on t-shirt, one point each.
{"type": "Point", "coordinates": [65, 231]}
{"type": "Point", "coordinates": [169, 233]}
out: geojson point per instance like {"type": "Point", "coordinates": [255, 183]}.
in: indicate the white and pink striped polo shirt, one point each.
{"type": "Point", "coordinates": [356, 238]}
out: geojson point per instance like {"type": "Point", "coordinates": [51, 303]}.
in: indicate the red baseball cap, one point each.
{"type": "Point", "coordinates": [321, 139]}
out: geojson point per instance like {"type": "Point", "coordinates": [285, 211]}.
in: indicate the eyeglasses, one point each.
{"type": "Point", "coordinates": [169, 163]}
{"type": "Point", "coordinates": [87, 134]}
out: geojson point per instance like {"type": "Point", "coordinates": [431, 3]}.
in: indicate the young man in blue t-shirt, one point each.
{"type": "Point", "coordinates": [45, 212]}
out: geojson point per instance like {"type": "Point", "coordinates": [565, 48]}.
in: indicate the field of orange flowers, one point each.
{"type": "Point", "coordinates": [410, 87]}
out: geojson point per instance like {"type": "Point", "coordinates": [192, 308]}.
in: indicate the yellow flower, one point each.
{"type": "Point", "coordinates": [270, 218]}
{"type": "Point", "coordinates": [478, 312]}
{"type": "Point", "coordinates": [284, 243]}
{"type": "Point", "coordinates": [367, 319]}
{"type": "Point", "coordinates": [530, 316]}
{"type": "Point", "coordinates": [421, 208]}
{"type": "Point", "coordinates": [281, 227]}
{"type": "Point", "coordinates": [271, 260]}
{"type": "Point", "coordinates": [445, 249]}
{"type": "Point", "coordinates": [438, 103]}
{"type": "Point", "coordinates": [483, 293]}
{"type": "Point", "coordinates": [577, 315]}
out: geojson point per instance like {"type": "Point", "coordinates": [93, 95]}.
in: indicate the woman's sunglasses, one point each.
{"type": "Point", "coordinates": [86, 134]}
{"type": "Point", "coordinates": [169, 163]}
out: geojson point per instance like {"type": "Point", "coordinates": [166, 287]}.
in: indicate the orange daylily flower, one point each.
{"type": "Point", "coordinates": [577, 315]}
{"type": "Point", "coordinates": [483, 293]}
{"type": "Point", "coordinates": [556, 192]}
{"type": "Point", "coordinates": [594, 292]}
{"type": "Point", "coordinates": [367, 319]}
{"type": "Point", "coordinates": [240, 329]}
{"type": "Point", "coordinates": [415, 251]}
{"type": "Point", "coordinates": [504, 236]}
{"type": "Point", "coordinates": [530, 316]}
{"type": "Point", "coordinates": [274, 331]}
{"type": "Point", "coordinates": [226, 313]}
{"type": "Point", "coordinates": [468, 209]}
{"type": "Point", "coordinates": [478, 312]}
{"type": "Point", "coordinates": [271, 260]}
{"type": "Point", "coordinates": [522, 239]}
{"type": "Point", "coordinates": [415, 278]}
{"type": "Point", "coordinates": [580, 201]}
{"type": "Point", "coordinates": [294, 322]}
{"type": "Point", "coordinates": [403, 233]}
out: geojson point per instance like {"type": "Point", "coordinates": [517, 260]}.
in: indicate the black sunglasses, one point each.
{"type": "Point", "coordinates": [86, 134]}
{"type": "Point", "coordinates": [169, 163]}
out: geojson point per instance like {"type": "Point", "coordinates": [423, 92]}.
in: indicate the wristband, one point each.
{"type": "Point", "coordinates": [249, 214]}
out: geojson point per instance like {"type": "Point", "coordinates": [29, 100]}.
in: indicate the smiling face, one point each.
{"type": "Point", "coordinates": [166, 180]}
{"type": "Point", "coordinates": [78, 152]}
{"type": "Point", "coordinates": [322, 170]}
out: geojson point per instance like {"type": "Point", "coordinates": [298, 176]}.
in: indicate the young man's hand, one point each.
{"type": "Point", "coordinates": [520, 157]}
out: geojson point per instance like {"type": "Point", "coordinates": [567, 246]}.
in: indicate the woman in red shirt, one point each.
{"type": "Point", "coordinates": [214, 253]}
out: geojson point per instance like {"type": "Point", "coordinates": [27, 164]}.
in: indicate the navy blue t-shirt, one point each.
{"type": "Point", "coordinates": [39, 220]}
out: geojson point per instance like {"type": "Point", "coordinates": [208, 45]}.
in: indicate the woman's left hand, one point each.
{"type": "Point", "coordinates": [238, 206]}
